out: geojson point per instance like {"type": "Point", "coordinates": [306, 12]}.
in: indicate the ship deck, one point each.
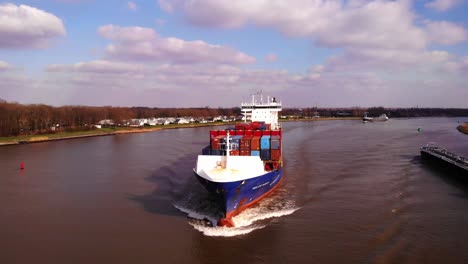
{"type": "Point", "coordinates": [447, 157]}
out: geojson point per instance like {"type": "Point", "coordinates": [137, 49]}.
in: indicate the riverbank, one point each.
{"type": "Point", "coordinates": [5, 141]}
{"type": "Point", "coordinates": [463, 128]}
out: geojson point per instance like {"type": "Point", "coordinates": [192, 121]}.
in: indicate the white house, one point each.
{"type": "Point", "coordinates": [182, 121]}
{"type": "Point", "coordinates": [137, 122]}
{"type": "Point", "coordinates": [152, 121]}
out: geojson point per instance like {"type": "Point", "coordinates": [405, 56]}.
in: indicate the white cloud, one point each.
{"type": "Point", "coordinates": [127, 34]}
{"type": "Point", "coordinates": [132, 6]}
{"type": "Point", "coordinates": [446, 33]}
{"type": "Point", "coordinates": [442, 5]}
{"type": "Point", "coordinates": [131, 84]}
{"type": "Point", "coordinates": [27, 27]}
{"type": "Point", "coordinates": [143, 44]}
{"type": "Point", "coordinates": [99, 66]}
{"type": "Point", "coordinates": [384, 30]}
{"type": "Point", "coordinates": [383, 38]}
{"type": "Point", "coordinates": [353, 24]}
{"type": "Point", "coordinates": [4, 66]}
{"type": "Point", "coordinates": [457, 66]}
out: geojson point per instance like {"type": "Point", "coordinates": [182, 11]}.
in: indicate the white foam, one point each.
{"type": "Point", "coordinates": [222, 231]}
{"type": "Point", "coordinates": [245, 222]}
{"type": "Point", "coordinates": [252, 215]}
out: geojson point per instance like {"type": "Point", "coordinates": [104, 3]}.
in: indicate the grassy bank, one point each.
{"type": "Point", "coordinates": [125, 130]}
{"type": "Point", "coordinates": [463, 128]}
{"type": "Point", "coordinates": [54, 136]}
{"type": "Point", "coordinates": [94, 133]}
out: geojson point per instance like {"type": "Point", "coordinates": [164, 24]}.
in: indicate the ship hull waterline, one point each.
{"type": "Point", "coordinates": [237, 196]}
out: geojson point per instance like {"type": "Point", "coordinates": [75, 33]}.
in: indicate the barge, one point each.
{"type": "Point", "coordinates": [445, 158]}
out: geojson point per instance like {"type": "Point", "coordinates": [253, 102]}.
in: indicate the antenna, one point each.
{"type": "Point", "coordinates": [228, 148]}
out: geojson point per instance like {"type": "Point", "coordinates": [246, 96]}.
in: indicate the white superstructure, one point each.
{"type": "Point", "coordinates": [258, 110]}
{"type": "Point", "coordinates": [226, 168]}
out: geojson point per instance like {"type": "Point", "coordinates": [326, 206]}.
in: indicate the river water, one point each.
{"type": "Point", "coordinates": [353, 193]}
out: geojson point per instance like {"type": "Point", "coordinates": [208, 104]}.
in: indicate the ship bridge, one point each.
{"type": "Point", "coordinates": [259, 110]}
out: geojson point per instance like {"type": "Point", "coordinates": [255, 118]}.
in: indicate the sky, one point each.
{"type": "Point", "coordinates": [217, 53]}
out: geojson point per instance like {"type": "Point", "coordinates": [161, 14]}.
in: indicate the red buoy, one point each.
{"type": "Point", "coordinates": [22, 165]}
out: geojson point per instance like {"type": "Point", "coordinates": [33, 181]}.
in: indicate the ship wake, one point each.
{"type": "Point", "coordinates": [204, 213]}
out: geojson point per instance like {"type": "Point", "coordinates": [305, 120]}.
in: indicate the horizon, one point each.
{"type": "Point", "coordinates": [182, 54]}
{"type": "Point", "coordinates": [230, 107]}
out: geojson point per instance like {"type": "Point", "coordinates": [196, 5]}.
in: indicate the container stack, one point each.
{"type": "Point", "coordinates": [255, 145]}
{"type": "Point", "coordinates": [235, 143]}
{"type": "Point", "coordinates": [246, 142]}
{"type": "Point", "coordinates": [245, 145]}
{"type": "Point", "coordinates": [275, 148]}
{"type": "Point", "coordinates": [265, 147]}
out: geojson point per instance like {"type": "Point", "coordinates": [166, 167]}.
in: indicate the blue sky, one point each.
{"type": "Point", "coordinates": [185, 53]}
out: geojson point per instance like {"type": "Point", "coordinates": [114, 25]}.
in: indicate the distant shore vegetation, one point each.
{"type": "Point", "coordinates": [36, 119]}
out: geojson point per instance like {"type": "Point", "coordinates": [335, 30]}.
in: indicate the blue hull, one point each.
{"type": "Point", "coordinates": [238, 195]}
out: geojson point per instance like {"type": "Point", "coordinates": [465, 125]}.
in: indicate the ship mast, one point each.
{"type": "Point", "coordinates": [228, 149]}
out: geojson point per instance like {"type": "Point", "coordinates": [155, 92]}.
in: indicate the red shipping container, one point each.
{"type": "Point", "coordinates": [257, 133]}
{"type": "Point", "coordinates": [245, 152]}
{"type": "Point", "coordinates": [239, 132]}
{"type": "Point", "coordinates": [255, 143]}
{"type": "Point", "coordinates": [245, 148]}
{"type": "Point", "coordinates": [255, 125]}
{"type": "Point", "coordinates": [275, 132]}
{"type": "Point", "coordinates": [213, 134]}
{"type": "Point", "coordinates": [216, 142]}
{"type": "Point", "coordinates": [234, 152]}
{"type": "Point", "coordinates": [245, 142]}
{"type": "Point", "coordinates": [248, 132]}
{"type": "Point", "coordinates": [275, 154]}
{"type": "Point", "coordinates": [266, 133]}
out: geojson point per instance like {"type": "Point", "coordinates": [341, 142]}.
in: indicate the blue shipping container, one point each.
{"type": "Point", "coordinates": [255, 153]}
{"type": "Point", "coordinates": [265, 142]}
{"type": "Point", "coordinates": [265, 154]}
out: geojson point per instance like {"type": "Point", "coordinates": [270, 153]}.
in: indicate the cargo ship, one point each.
{"type": "Point", "coordinates": [381, 118]}
{"type": "Point", "coordinates": [243, 164]}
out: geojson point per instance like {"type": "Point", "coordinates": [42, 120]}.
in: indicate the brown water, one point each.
{"type": "Point", "coordinates": [353, 193]}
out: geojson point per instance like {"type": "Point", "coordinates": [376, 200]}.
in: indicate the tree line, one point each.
{"type": "Point", "coordinates": [19, 119]}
